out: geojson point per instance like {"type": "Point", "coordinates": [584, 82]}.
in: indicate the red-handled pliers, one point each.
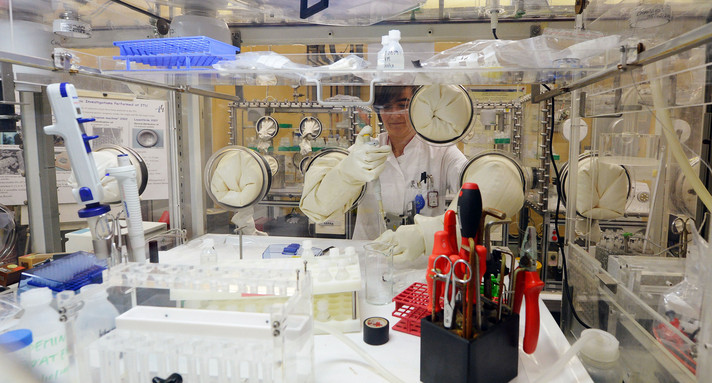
{"type": "Point", "coordinates": [528, 285]}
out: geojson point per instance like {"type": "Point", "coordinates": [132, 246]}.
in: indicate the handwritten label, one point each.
{"type": "Point", "coordinates": [49, 357]}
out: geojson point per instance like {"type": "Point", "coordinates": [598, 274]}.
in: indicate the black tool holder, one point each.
{"type": "Point", "coordinates": [492, 356]}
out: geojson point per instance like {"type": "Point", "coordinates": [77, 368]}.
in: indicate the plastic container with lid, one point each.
{"type": "Point", "coordinates": [96, 318]}
{"type": "Point", "coordinates": [394, 58]}
{"type": "Point", "coordinates": [48, 352]}
{"type": "Point", "coordinates": [16, 343]}
{"type": "Point", "coordinates": [381, 57]}
{"type": "Point", "coordinates": [599, 356]}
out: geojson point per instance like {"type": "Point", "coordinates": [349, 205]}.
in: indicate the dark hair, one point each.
{"type": "Point", "coordinates": [384, 94]}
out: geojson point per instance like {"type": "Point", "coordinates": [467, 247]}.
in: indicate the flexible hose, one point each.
{"type": "Point", "coordinates": [663, 115]}
{"type": "Point", "coordinates": [125, 174]}
{"type": "Point", "coordinates": [377, 367]}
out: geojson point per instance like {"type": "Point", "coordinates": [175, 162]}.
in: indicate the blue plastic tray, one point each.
{"type": "Point", "coordinates": [67, 273]}
{"type": "Point", "coordinates": [175, 52]}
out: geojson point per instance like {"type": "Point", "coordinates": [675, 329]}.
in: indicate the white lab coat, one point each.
{"type": "Point", "coordinates": [444, 163]}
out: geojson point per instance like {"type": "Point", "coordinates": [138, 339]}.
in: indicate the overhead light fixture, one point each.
{"type": "Point", "coordinates": [650, 14]}
{"type": "Point", "coordinates": [69, 25]}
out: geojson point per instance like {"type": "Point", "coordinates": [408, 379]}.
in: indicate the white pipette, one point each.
{"type": "Point", "coordinates": [69, 124]}
{"type": "Point", "coordinates": [377, 192]}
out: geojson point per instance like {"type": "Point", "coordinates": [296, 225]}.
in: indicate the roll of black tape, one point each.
{"type": "Point", "coordinates": [375, 331]}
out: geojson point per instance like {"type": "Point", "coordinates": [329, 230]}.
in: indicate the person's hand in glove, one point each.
{"type": "Point", "coordinates": [365, 162]}
{"type": "Point", "coordinates": [245, 222]}
{"type": "Point", "coordinates": [334, 182]}
{"type": "Point", "coordinates": [411, 241]}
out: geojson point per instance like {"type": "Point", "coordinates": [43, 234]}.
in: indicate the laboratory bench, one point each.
{"type": "Point", "coordinates": [333, 360]}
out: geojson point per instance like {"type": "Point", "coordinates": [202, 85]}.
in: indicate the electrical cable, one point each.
{"type": "Point", "coordinates": [560, 241]}
{"type": "Point", "coordinates": [494, 33]}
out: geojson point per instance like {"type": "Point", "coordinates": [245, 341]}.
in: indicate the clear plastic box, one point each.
{"type": "Point", "coordinates": [271, 343]}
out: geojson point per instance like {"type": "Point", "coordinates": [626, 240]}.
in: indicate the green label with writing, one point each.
{"type": "Point", "coordinates": [49, 357]}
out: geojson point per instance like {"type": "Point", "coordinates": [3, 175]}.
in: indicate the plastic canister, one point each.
{"type": "Point", "coordinates": [599, 356]}
{"type": "Point", "coordinates": [394, 58]}
{"type": "Point", "coordinates": [48, 352]}
{"type": "Point", "coordinates": [381, 57]}
{"type": "Point", "coordinates": [96, 318]}
{"type": "Point", "coordinates": [16, 343]}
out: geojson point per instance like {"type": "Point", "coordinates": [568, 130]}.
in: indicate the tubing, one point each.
{"type": "Point", "coordinates": [663, 115]}
{"type": "Point", "coordinates": [377, 367]}
{"type": "Point", "coordinates": [125, 174]}
{"type": "Point", "coordinates": [552, 371]}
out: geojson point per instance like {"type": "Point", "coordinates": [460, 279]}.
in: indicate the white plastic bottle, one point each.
{"type": "Point", "coordinates": [307, 251]}
{"type": "Point", "coordinates": [95, 319]}
{"type": "Point", "coordinates": [381, 57]}
{"type": "Point", "coordinates": [394, 57]}
{"type": "Point", "coordinates": [600, 358]}
{"type": "Point", "coordinates": [208, 255]}
{"type": "Point", "coordinates": [48, 352]}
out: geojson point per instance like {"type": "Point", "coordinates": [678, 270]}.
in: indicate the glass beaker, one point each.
{"type": "Point", "coordinates": [379, 273]}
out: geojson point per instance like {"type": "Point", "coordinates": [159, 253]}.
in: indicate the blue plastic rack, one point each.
{"type": "Point", "coordinates": [175, 52]}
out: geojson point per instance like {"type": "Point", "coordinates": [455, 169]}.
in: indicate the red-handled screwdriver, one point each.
{"type": "Point", "coordinates": [469, 214]}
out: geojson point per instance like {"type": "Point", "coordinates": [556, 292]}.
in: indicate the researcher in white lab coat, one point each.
{"type": "Point", "coordinates": [405, 165]}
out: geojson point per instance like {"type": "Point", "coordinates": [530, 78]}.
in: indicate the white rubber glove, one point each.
{"type": "Point", "coordinates": [333, 182]}
{"type": "Point", "coordinates": [440, 112]}
{"type": "Point", "coordinates": [305, 147]}
{"type": "Point", "coordinates": [267, 129]}
{"type": "Point", "coordinates": [237, 180]}
{"type": "Point", "coordinates": [365, 162]}
{"type": "Point", "coordinates": [500, 184]}
{"type": "Point", "coordinates": [273, 164]}
{"type": "Point", "coordinates": [110, 185]}
{"type": "Point", "coordinates": [410, 242]}
{"type": "Point", "coordinates": [602, 189]}
{"type": "Point", "coordinates": [245, 221]}
{"type": "Point", "coordinates": [407, 242]}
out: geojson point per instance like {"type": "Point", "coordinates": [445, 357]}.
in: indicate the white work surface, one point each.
{"type": "Point", "coordinates": [334, 361]}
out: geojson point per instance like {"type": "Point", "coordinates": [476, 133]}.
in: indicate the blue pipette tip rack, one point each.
{"type": "Point", "coordinates": [67, 273]}
{"type": "Point", "coordinates": [175, 52]}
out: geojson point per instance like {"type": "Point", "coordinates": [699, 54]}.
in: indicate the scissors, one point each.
{"type": "Point", "coordinates": [449, 275]}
